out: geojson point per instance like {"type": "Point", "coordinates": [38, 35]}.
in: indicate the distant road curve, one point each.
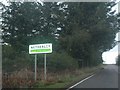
{"type": "Point", "coordinates": [106, 78]}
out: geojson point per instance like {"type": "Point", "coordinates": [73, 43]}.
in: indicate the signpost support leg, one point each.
{"type": "Point", "coordinates": [35, 67]}
{"type": "Point", "coordinates": [45, 66]}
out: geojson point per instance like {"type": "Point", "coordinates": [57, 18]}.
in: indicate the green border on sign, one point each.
{"type": "Point", "coordinates": [41, 50]}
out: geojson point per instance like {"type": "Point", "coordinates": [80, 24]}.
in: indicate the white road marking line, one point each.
{"type": "Point", "coordinates": [80, 82]}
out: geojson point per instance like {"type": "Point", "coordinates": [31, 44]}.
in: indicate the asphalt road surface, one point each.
{"type": "Point", "coordinates": [106, 78]}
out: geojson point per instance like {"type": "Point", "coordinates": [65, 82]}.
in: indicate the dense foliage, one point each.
{"type": "Point", "coordinates": [118, 60]}
{"type": "Point", "coordinates": [80, 31]}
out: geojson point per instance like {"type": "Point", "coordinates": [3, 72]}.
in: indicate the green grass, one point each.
{"type": "Point", "coordinates": [56, 85]}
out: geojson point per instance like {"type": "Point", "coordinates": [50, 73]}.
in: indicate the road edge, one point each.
{"type": "Point", "coordinates": [80, 82]}
{"type": "Point", "coordinates": [83, 79]}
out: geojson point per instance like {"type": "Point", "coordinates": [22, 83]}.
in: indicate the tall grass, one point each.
{"type": "Point", "coordinates": [25, 78]}
{"type": "Point", "coordinates": [19, 79]}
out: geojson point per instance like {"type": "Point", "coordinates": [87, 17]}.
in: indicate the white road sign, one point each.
{"type": "Point", "coordinates": [40, 48]}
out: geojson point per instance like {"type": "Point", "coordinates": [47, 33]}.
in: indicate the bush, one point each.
{"type": "Point", "coordinates": [118, 60]}
{"type": "Point", "coordinates": [13, 61]}
{"type": "Point", "coordinates": [61, 61]}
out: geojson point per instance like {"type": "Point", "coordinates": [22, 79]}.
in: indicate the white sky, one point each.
{"type": "Point", "coordinates": [110, 56]}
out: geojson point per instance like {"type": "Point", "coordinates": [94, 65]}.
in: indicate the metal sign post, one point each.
{"type": "Point", "coordinates": [45, 67]}
{"type": "Point", "coordinates": [37, 49]}
{"type": "Point", "coordinates": [35, 67]}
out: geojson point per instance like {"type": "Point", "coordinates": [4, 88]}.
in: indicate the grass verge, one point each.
{"type": "Point", "coordinates": [67, 78]}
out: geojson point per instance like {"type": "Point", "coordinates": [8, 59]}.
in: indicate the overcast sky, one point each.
{"type": "Point", "coordinates": [110, 56]}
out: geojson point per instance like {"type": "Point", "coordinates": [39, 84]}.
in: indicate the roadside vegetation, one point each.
{"type": "Point", "coordinates": [61, 79]}
{"type": "Point", "coordinates": [79, 32]}
{"type": "Point", "coordinates": [118, 60]}
{"type": "Point", "coordinates": [67, 78]}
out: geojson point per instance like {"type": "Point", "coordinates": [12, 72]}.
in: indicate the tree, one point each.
{"type": "Point", "coordinates": [27, 23]}
{"type": "Point", "coordinates": [118, 60]}
{"type": "Point", "coordinates": [83, 30]}
{"type": "Point", "coordinates": [89, 30]}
